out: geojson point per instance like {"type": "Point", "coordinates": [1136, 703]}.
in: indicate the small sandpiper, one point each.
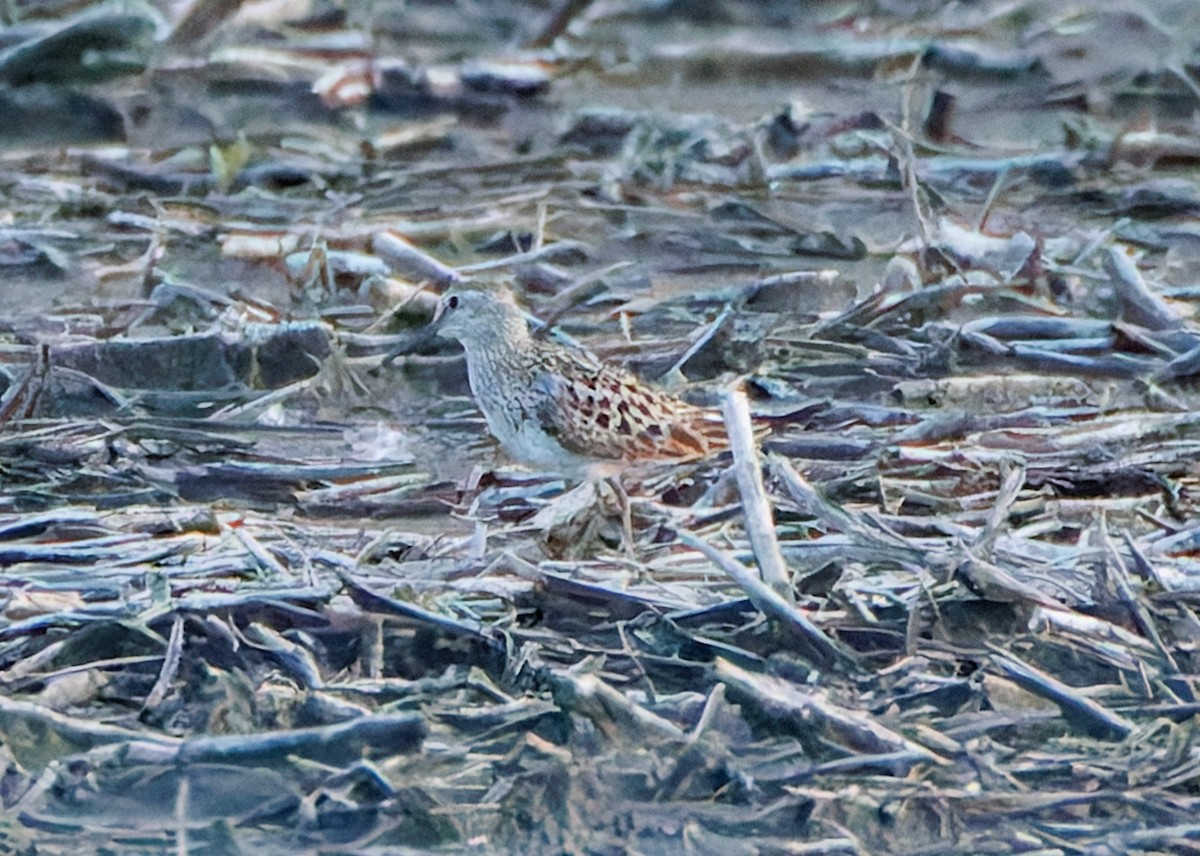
{"type": "Point", "coordinates": [556, 409]}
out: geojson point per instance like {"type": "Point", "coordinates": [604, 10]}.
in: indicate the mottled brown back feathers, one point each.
{"type": "Point", "coordinates": [604, 412]}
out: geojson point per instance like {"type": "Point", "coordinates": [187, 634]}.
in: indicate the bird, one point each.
{"type": "Point", "coordinates": [558, 409]}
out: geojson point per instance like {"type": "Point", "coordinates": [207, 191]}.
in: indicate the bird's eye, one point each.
{"type": "Point", "coordinates": [452, 303]}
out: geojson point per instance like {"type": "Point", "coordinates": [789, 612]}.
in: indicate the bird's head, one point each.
{"type": "Point", "coordinates": [479, 316]}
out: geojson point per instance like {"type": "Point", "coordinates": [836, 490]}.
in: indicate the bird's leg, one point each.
{"type": "Point", "coordinates": [627, 542]}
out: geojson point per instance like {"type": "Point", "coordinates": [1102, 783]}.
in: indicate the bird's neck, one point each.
{"type": "Point", "coordinates": [506, 343]}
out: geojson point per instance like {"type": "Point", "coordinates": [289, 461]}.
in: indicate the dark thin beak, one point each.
{"type": "Point", "coordinates": [437, 314]}
{"type": "Point", "coordinates": [419, 338]}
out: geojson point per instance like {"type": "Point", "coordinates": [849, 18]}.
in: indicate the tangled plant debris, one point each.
{"type": "Point", "coordinates": [270, 588]}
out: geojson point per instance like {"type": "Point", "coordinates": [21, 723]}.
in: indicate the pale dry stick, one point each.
{"type": "Point", "coordinates": [837, 518]}
{"type": "Point", "coordinates": [261, 554]}
{"type": "Point", "coordinates": [747, 468]}
{"type": "Point", "coordinates": [370, 640]}
{"type": "Point", "coordinates": [183, 797]}
{"type": "Point", "coordinates": [201, 19]}
{"type": "Point", "coordinates": [19, 399]}
{"type": "Point", "coordinates": [770, 602]}
{"type": "Point", "coordinates": [521, 258]}
{"type": "Point", "coordinates": [577, 292]}
{"type": "Point", "coordinates": [1119, 575]}
{"type": "Point", "coordinates": [992, 197]}
{"type": "Point", "coordinates": [1139, 304]}
{"type": "Point", "coordinates": [539, 229]}
{"type": "Point", "coordinates": [68, 734]}
{"type": "Point", "coordinates": [1180, 70]}
{"type": "Point", "coordinates": [1012, 479]}
{"type": "Point", "coordinates": [908, 157]}
{"type": "Point", "coordinates": [1144, 566]}
{"type": "Point", "coordinates": [994, 583]}
{"type": "Point", "coordinates": [590, 696]}
{"type": "Point", "coordinates": [716, 696]}
{"type": "Point", "coordinates": [1092, 716]}
{"type": "Point", "coordinates": [410, 260]}
{"type": "Point", "coordinates": [298, 661]}
{"type": "Point", "coordinates": [1158, 838]}
{"type": "Point", "coordinates": [1075, 265]}
{"type": "Point", "coordinates": [56, 695]}
{"type": "Point", "coordinates": [169, 668]}
{"type": "Point", "coordinates": [560, 19]}
{"type": "Point", "coordinates": [855, 730]}
{"type": "Point", "coordinates": [1104, 640]}
{"type": "Point", "coordinates": [701, 341]}
{"type": "Point", "coordinates": [262, 402]}
{"type": "Point", "coordinates": [36, 662]}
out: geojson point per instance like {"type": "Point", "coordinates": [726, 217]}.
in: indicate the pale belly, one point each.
{"type": "Point", "coordinates": [510, 421]}
{"type": "Point", "coordinates": [528, 444]}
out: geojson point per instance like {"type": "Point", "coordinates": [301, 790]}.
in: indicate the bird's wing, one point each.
{"type": "Point", "coordinates": [601, 412]}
